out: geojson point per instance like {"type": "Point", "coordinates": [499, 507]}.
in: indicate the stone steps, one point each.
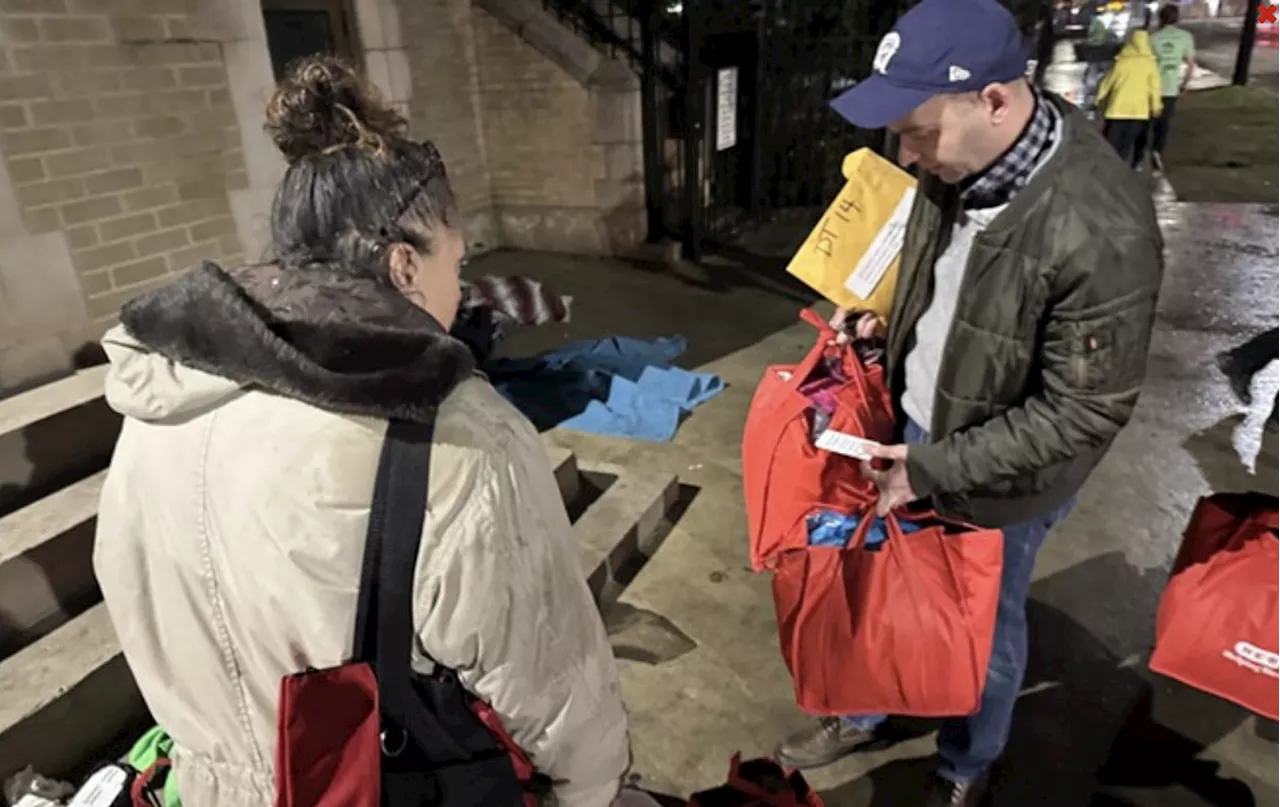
{"type": "Point", "coordinates": [46, 574]}
{"type": "Point", "coordinates": [66, 696]}
{"type": "Point", "coordinates": [65, 691]}
{"type": "Point", "coordinates": [53, 436]}
{"type": "Point", "coordinates": [624, 527]}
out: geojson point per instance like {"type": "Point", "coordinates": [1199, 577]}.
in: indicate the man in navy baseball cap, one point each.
{"type": "Point", "coordinates": [1018, 338]}
{"type": "Point", "coordinates": [950, 80]}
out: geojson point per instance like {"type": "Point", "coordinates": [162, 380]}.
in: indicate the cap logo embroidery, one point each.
{"type": "Point", "coordinates": [885, 52]}
{"type": "Point", "coordinates": [955, 74]}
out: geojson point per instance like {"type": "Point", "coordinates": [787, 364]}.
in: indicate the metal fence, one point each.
{"type": "Point", "coordinates": [738, 132]}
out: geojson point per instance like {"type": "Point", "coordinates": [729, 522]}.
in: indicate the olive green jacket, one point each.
{"type": "Point", "coordinates": [1048, 349]}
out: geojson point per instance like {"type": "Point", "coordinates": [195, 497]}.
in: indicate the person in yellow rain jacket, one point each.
{"type": "Point", "coordinates": [1130, 97]}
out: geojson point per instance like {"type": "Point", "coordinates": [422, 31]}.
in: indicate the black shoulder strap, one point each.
{"type": "Point", "coordinates": [384, 616]}
{"type": "Point", "coordinates": [432, 743]}
{"type": "Point", "coordinates": [396, 519]}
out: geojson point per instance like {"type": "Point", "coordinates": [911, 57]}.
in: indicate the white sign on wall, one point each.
{"type": "Point", "coordinates": [726, 108]}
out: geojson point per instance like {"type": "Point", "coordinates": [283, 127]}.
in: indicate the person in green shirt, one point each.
{"type": "Point", "coordinates": [1173, 47]}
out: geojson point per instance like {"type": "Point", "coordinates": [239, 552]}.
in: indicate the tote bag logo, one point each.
{"type": "Point", "coordinates": [1254, 658]}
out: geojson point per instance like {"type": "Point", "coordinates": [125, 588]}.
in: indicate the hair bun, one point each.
{"type": "Point", "coordinates": [323, 105]}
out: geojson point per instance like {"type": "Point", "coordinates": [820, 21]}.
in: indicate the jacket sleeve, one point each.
{"type": "Point", "coordinates": [1092, 355]}
{"type": "Point", "coordinates": [1155, 91]}
{"type": "Point", "coordinates": [506, 604]}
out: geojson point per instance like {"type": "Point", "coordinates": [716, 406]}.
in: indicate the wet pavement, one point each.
{"type": "Point", "coordinates": [1217, 42]}
{"type": "Point", "coordinates": [696, 634]}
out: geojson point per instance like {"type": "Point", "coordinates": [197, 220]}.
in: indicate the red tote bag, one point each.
{"type": "Point", "coordinates": [784, 476]}
{"type": "Point", "coordinates": [327, 751]}
{"type": "Point", "coordinates": [1219, 615]}
{"type": "Point", "coordinates": [903, 628]}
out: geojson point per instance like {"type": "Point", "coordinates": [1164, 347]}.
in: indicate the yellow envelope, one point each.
{"type": "Point", "coordinates": [851, 257]}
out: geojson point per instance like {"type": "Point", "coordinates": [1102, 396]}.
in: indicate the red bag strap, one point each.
{"type": "Point", "coordinates": [866, 517]}
{"type": "Point", "coordinates": [826, 341]}
{"type": "Point", "coordinates": [138, 790]}
{"type": "Point", "coordinates": [854, 369]}
{"type": "Point", "coordinates": [807, 365]}
{"type": "Point", "coordinates": [811, 317]}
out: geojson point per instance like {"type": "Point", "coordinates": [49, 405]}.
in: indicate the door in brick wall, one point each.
{"type": "Point", "coordinates": [301, 28]}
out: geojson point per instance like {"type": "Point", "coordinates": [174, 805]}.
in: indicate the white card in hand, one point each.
{"type": "Point", "coordinates": [846, 444]}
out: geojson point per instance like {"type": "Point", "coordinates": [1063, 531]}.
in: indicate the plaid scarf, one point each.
{"type": "Point", "coordinates": [1001, 182]}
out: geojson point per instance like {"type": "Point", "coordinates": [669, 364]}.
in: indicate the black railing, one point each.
{"type": "Point", "coordinates": [605, 24]}
{"type": "Point", "coordinates": [652, 38]}
{"type": "Point", "coordinates": [617, 29]}
{"type": "Point", "coordinates": [788, 58]}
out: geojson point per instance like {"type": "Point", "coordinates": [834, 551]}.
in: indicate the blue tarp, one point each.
{"type": "Point", "coordinates": [619, 386]}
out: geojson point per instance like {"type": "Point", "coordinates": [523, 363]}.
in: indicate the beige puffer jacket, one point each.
{"type": "Point", "coordinates": [230, 541]}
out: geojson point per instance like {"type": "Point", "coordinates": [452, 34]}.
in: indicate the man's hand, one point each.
{"type": "Point", "coordinates": [895, 487]}
{"type": "Point", "coordinates": [850, 325]}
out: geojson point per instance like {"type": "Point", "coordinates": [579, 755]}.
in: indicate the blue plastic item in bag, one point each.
{"type": "Point", "coordinates": [830, 528]}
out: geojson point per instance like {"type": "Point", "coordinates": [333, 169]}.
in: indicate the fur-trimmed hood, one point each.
{"type": "Point", "coordinates": [350, 345]}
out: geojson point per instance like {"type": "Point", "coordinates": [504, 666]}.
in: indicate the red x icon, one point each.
{"type": "Point", "coordinates": [1266, 14]}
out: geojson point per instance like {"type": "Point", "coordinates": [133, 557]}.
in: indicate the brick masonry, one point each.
{"type": "Point", "coordinates": [118, 134]}
{"type": "Point", "coordinates": [131, 146]}
{"type": "Point", "coordinates": [444, 104]}
{"type": "Point", "coordinates": [122, 136]}
{"type": "Point", "coordinates": [562, 131]}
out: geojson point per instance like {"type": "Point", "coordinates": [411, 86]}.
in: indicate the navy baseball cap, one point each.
{"type": "Point", "coordinates": [939, 46]}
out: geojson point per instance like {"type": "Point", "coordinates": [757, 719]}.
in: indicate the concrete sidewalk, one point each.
{"type": "Point", "coordinates": [695, 631]}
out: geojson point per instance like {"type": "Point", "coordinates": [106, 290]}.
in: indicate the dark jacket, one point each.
{"type": "Point", "coordinates": [1048, 349]}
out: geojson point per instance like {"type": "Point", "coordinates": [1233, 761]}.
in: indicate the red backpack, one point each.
{"type": "Point", "coordinates": [371, 732]}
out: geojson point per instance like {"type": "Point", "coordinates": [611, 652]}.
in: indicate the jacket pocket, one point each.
{"type": "Point", "coordinates": [1090, 363]}
{"type": "Point", "coordinates": [1108, 352]}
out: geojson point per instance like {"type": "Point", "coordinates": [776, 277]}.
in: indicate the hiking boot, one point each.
{"type": "Point", "coordinates": [945, 793]}
{"type": "Point", "coordinates": [828, 740]}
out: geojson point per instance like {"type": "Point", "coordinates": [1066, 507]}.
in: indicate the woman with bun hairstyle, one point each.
{"type": "Point", "coordinates": [255, 403]}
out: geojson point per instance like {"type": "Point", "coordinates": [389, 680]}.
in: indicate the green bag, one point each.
{"type": "Point", "coordinates": [150, 747]}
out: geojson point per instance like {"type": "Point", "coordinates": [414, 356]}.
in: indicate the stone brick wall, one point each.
{"type": "Point", "coordinates": [131, 144]}
{"type": "Point", "coordinates": [536, 138]}
{"type": "Point", "coordinates": [445, 105]}
{"type": "Point", "coordinates": [562, 130]}
{"type": "Point", "coordinates": [542, 160]}
{"type": "Point", "coordinates": [119, 140]}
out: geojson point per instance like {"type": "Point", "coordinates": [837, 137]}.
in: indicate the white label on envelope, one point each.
{"type": "Point", "coordinates": [875, 262]}
{"type": "Point", "coordinates": [846, 444]}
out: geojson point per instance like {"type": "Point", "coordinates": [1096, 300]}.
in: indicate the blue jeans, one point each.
{"type": "Point", "coordinates": [967, 746]}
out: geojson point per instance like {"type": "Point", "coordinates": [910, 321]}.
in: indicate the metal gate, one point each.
{"type": "Point", "coordinates": [739, 137]}
{"type": "Point", "coordinates": [763, 155]}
